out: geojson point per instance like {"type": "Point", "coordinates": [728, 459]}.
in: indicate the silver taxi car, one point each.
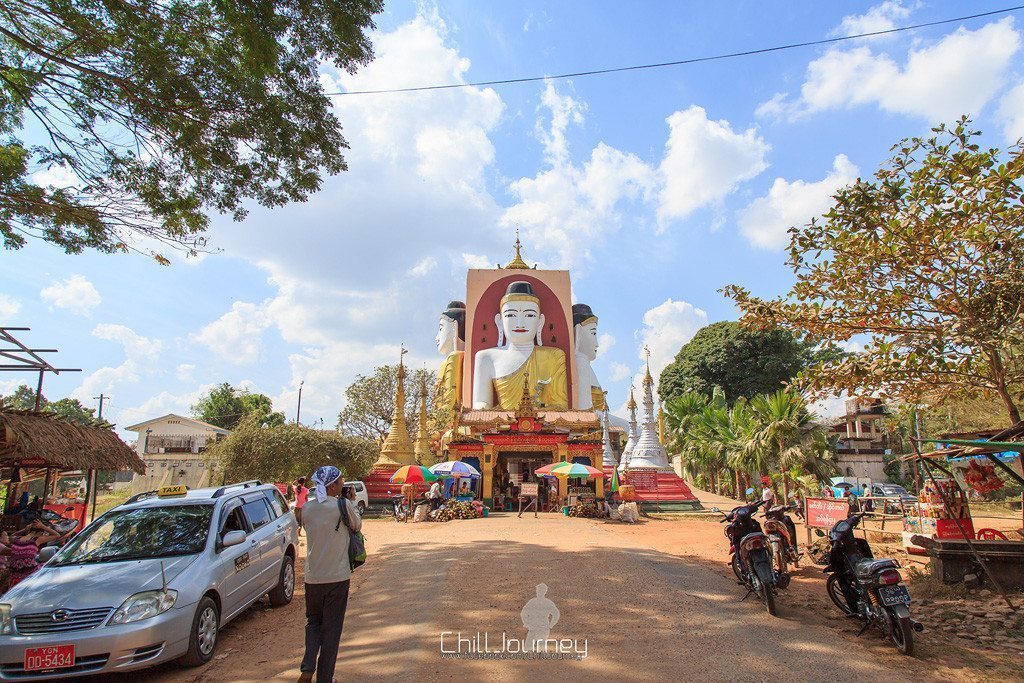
{"type": "Point", "coordinates": [149, 581]}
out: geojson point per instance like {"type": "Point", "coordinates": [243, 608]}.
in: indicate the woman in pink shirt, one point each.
{"type": "Point", "coordinates": [301, 496]}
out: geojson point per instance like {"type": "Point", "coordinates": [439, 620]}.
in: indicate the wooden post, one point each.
{"type": "Point", "coordinates": [89, 488]}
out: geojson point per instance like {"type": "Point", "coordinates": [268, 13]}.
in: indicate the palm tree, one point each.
{"type": "Point", "coordinates": [680, 417]}
{"type": "Point", "coordinates": [788, 430]}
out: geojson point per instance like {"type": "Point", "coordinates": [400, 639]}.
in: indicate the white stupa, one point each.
{"type": "Point", "coordinates": [632, 435]}
{"type": "Point", "coordinates": [607, 454]}
{"type": "Point", "coordinates": [649, 453]}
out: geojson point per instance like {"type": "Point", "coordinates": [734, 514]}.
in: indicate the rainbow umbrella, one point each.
{"type": "Point", "coordinates": [413, 474]}
{"type": "Point", "coordinates": [546, 470]}
{"type": "Point", "coordinates": [571, 470]}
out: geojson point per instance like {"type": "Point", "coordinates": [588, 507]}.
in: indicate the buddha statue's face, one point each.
{"type": "Point", "coordinates": [447, 333]}
{"type": "Point", "coordinates": [586, 340]}
{"type": "Point", "coordinates": [521, 320]}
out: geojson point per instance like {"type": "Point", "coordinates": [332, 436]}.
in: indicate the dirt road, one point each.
{"type": "Point", "coordinates": [652, 601]}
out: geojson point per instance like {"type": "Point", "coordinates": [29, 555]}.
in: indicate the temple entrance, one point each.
{"type": "Point", "coordinates": [512, 469]}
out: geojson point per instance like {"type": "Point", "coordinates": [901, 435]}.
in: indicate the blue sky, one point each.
{"type": "Point", "coordinates": [656, 188]}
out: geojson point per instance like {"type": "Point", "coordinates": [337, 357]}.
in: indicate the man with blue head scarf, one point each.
{"type": "Point", "coordinates": [327, 571]}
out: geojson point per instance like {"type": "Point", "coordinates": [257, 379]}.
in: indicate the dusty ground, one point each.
{"type": "Point", "coordinates": [654, 601]}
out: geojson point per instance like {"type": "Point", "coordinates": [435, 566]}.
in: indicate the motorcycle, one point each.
{"type": "Point", "coordinates": [782, 533]}
{"type": "Point", "coordinates": [400, 508]}
{"type": "Point", "coordinates": [751, 554]}
{"type": "Point", "coordinates": [867, 588]}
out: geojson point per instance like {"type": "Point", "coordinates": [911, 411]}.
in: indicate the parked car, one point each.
{"type": "Point", "coordinates": [152, 580]}
{"type": "Point", "coordinates": [362, 498]}
{"type": "Point", "coordinates": [894, 491]}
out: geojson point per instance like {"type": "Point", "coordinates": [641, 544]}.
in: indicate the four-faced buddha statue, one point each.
{"type": "Point", "coordinates": [588, 390]}
{"type": "Point", "coordinates": [499, 373]}
{"type": "Point", "coordinates": [451, 343]}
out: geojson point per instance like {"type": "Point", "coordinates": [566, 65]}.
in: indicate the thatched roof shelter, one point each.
{"type": "Point", "coordinates": [29, 439]}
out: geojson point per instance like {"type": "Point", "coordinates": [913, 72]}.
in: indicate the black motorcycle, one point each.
{"type": "Point", "coordinates": [751, 554]}
{"type": "Point", "coordinates": [782, 534]}
{"type": "Point", "coordinates": [869, 589]}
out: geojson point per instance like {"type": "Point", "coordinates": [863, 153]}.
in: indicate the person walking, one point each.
{"type": "Point", "coordinates": [327, 572]}
{"type": "Point", "coordinates": [435, 495]}
{"type": "Point", "coordinates": [301, 496]}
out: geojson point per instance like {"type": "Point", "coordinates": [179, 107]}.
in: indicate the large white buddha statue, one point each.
{"type": "Point", "coordinates": [451, 343]}
{"type": "Point", "coordinates": [499, 373]}
{"type": "Point", "coordinates": [589, 395]}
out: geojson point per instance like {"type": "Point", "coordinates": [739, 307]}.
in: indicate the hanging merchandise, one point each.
{"type": "Point", "coordinates": [982, 477]}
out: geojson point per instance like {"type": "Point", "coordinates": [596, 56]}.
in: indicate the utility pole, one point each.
{"type": "Point", "coordinates": [298, 408]}
{"type": "Point", "coordinates": [101, 398]}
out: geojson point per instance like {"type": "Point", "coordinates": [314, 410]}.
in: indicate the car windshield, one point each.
{"type": "Point", "coordinates": [893, 490]}
{"type": "Point", "coordinates": [140, 534]}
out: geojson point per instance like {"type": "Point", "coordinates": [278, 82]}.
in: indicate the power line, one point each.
{"type": "Point", "coordinates": [680, 62]}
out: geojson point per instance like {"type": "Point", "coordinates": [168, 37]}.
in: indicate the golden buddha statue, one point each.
{"type": "Point", "coordinates": [589, 395]}
{"type": "Point", "coordinates": [499, 373]}
{"type": "Point", "coordinates": [451, 343]}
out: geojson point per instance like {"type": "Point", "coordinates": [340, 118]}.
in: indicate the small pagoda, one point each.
{"type": "Point", "coordinates": [398, 448]}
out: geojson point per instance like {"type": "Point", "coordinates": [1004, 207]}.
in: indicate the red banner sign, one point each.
{"type": "Point", "coordinates": [825, 513]}
{"type": "Point", "coordinates": [643, 480]}
{"type": "Point", "coordinates": [526, 439]}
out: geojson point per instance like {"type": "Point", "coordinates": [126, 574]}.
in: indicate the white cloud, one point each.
{"type": "Point", "coordinates": [704, 161]}
{"type": "Point", "coordinates": [957, 75]}
{"type": "Point", "coordinates": [141, 356]}
{"type": "Point", "coordinates": [476, 261]}
{"type": "Point", "coordinates": [423, 266]}
{"type": "Point", "coordinates": [185, 372]}
{"type": "Point", "coordinates": [604, 344]}
{"type": "Point", "coordinates": [9, 307]}
{"type": "Point", "coordinates": [830, 406]}
{"type": "Point", "coordinates": [881, 17]}
{"type": "Point", "coordinates": [237, 335]}
{"type": "Point", "coordinates": [75, 294]}
{"type": "Point", "coordinates": [56, 176]}
{"type": "Point", "coordinates": [161, 404]}
{"type": "Point", "coordinates": [1011, 113]}
{"type": "Point", "coordinates": [620, 371]}
{"type": "Point", "coordinates": [567, 208]}
{"type": "Point", "coordinates": [666, 328]}
{"type": "Point", "coordinates": [765, 221]}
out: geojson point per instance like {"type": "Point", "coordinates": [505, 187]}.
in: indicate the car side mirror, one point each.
{"type": "Point", "coordinates": [46, 554]}
{"type": "Point", "coordinates": [231, 538]}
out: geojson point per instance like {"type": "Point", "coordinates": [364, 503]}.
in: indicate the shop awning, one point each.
{"type": "Point", "coordinates": [29, 439]}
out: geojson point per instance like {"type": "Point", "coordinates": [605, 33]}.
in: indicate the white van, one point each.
{"type": "Point", "coordinates": [362, 499]}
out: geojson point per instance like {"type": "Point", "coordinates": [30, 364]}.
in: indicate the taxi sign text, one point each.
{"type": "Point", "coordinates": [179, 490]}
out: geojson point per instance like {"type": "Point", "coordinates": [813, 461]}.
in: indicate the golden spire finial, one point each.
{"type": "Point", "coordinates": [527, 408]}
{"type": "Point", "coordinates": [517, 262]}
{"type": "Point", "coordinates": [632, 401]}
{"type": "Point", "coordinates": [647, 376]}
{"type": "Point", "coordinates": [398, 448]}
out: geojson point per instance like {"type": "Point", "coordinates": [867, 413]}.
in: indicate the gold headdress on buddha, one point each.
{"type": "Point", "coordinates": [520, 291]}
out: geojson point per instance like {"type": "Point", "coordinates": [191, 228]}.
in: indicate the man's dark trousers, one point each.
{"type": "Point", "coordinates": [325, 616]}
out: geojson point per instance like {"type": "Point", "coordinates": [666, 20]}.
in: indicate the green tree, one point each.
{"type": "Point", "coordinates": [226, 406]}
{"type": "Point", "coordinates": [927, 260]}
{"type": "Point", "coordinates": [287, 451]}
{"type": "Point", "coordinates": [370, 403]}
{"type": "Point", "coordinates": [71, 409]}
{"type": "Point", "coordinates": [161, 111]}
{"type": "Point", "coordinates": [788, 430]}
{"type": "Point", "coordinates": [742, 362]}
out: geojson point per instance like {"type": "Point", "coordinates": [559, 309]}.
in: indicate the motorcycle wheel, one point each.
{"type": "Point", "coordinates": [736, 568]}
{"type": "Point", "coordinates": [835, 592]}
{"type": "Point", "coordinates": [901, 633]}
{"type": "Point", "coordinates": [769, 599]}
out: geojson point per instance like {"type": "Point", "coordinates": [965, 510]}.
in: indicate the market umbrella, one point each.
{"type": "Point", "coordinates": [571, 470]}
{"type": "Point", "coordinates": [546, 470]}
{"type": "Point", "coordinates": [615, 479]}
{"type": "Point", "coordinates": [455, 468]}
{"type": "Point", "coordinates": [413, 474]}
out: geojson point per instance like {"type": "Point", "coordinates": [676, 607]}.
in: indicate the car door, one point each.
{"type": "Point", "coordinates": [265, 539]}
{"type": "Point", "coordinates": [239, 564]}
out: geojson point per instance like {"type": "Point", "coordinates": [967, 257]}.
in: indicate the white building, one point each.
{"type": "Point", "coordinates": [172, 447]}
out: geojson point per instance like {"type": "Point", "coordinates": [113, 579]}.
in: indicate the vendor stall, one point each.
{"type": "Point", "coordinates": [35, 445]}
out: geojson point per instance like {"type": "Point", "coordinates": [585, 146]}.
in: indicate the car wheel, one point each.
{"type": "Point", "coordinates": [202, 641]}
{"type": "Point", "coordinates": [285, 588]}
{"type": "Point", "coordinates": [361, 508]}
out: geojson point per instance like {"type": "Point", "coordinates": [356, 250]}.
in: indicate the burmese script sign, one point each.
{"type": "Point", "coordinates": [528, 490]}
{"type": "Point", "coordinates": [643, 479]}
{"type": "Point", "coordinates": [825, 513]}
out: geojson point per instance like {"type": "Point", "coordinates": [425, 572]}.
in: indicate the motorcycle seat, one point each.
{"type": "Point", "coordinates": [867, 567]}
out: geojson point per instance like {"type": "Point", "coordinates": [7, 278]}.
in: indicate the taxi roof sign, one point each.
{"type": "Point", "coordinates": [166, 491]}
